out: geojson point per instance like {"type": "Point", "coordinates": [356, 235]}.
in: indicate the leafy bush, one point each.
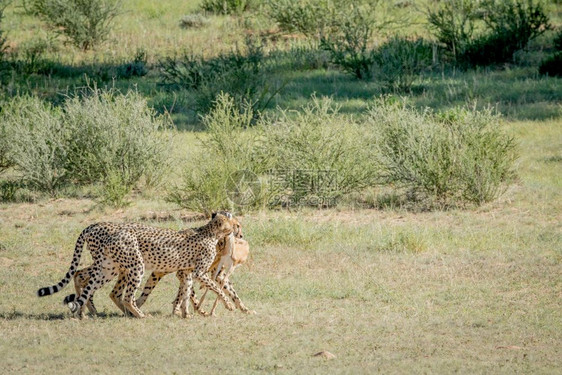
{"type": "Point", "coordinates": [85, 22]}
{"type": "Point", "coordinates": [511, 24]}
{"type": "Point", "coordinates": [193, 21]}
{"type": "Point", "coordinates": [278, 157]}
{"type": "Point", "coordinates": [399, 62]}
{"type": "Point", "coordinates": [3, 40]}
{"type": "Point", "coordinates": [552, 65]}
{"type": "Point", "coordinates": [319, 143]}
{"type": "Point", "coordinates": [453, 23]}
{"type": "Point", "coordinates": [453, 157]}
{"type": "Point", "coordinates": [227, 6]}
{"type": "Point", "coordinates": [349, 43]}
{"type": "Point", "coordinates": [507, 26]}
{"type": "Point", "coordinates": [308, 17]}
{"type": "Point", "coordinates": [241, 75]}
{"type": "Point", "coordinates": [230, 147]}
{"type": "Point", "coordinates": [37, 141]}
{"type": "Point", "coordinates": [114, 135]}
{"type": "Point", "coordinates": [103, 137]}
{"type": "Point", "coordinates": [30, 57]}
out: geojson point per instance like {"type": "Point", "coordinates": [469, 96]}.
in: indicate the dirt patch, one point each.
{"type": "Point", "coordinates": [164, 216]}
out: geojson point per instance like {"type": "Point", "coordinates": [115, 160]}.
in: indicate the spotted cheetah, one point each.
{"type": "Point", "coordinates": [82, 277]}
{"type": "Point", "coordinates": [125, 250]}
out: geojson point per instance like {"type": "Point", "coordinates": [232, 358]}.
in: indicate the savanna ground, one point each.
{"type": "Point", "coordinates": [385, 290]}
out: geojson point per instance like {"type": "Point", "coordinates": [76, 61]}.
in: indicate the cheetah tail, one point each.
{"type": "Point", "coordinates": [46, 291]}
{"type": "Point", "coordinates": [68, 299]}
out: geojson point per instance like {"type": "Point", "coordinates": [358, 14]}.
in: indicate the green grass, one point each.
{"type": "Point", "coordinates": [389, 290]}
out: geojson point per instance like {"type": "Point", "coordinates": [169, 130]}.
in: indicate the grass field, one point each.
{"type": "Point", "coordinates": [385, 290]}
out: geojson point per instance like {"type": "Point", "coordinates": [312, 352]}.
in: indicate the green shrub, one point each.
{"type": "Point", "coordinates": [230, 147]}
{"type": "Point", "coordinates": [318, 144]}
{"type": "Point", "coordinates": [241, 75]}
{"type": "Point", "coordinates": [349, 42]}
{"type": "Point", "coordinates": [308, 17]}
{"type": "Point", "coordinates": [38, 142]}
{"type": "Point", "coordinates": [103, 138]}
{"type": "Point", "coordinates": [311, 157]}
{"type": "Point", "coordinates": [114, 135]}
{"type": "Point", "coordinates": [344, 28]}
{"type": "Point", "coordinates": [227, 6]}
{"type": "Point", "coordinates": [505, 26]}
{"type": "Point", "coordinates": [453, 157]}
{"type": "Point", "coordinates": [114, 190]}
{"type": "Point", "coordinates": [30, 58]}
{"type": "Point", "coordinates": [85, 23]}
{"type": "Point", "coordinates": [399, 63]}
{"type": "Point", "coordinates": [511, 24]}
{"type": "Point", "coordinates": [453, 23]}
{"type": "Point", "coordinates": [193, 21]}
{"type": "Point", "coordinates": [3, 40]}
{"type": "Point", "coordinates": [552, 65]}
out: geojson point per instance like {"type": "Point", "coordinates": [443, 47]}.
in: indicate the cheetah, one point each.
{"type": "Point", "coordinates": [125, 250]}
{"type": "Point", "coordinates": [81, 278]}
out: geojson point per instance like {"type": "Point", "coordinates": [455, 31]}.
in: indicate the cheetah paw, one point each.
{"type": "Point", "coordinates": [73, 306]}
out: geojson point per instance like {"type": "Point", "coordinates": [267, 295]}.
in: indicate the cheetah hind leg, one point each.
{"type": "Point", "coordinates": [133, 282]}
{"type": "Point", "coordinates": [116, 294]}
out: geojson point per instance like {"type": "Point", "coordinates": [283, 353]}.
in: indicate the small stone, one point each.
{"type": "Point", "coordinates": [325, 354]}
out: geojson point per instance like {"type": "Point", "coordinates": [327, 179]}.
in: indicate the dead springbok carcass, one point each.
{"type": "Point", "coordinates": [234, 252]}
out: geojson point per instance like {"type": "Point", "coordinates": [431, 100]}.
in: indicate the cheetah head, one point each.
{"type": "Point", "coordinates": [222, 224]}
{"type": "Point", "coordinates": [236, 233]}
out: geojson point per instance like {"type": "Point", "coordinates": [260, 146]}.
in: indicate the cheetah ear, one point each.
{"type": "Point", "coordinates": [213, 215]}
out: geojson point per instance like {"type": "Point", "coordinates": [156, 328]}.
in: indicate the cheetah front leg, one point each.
{"type": "Point", "coordinates": [186, 290]}
{"type": "Point", "coordinates": [200, 274]}
{"type": "Point", "coordinates": [229, 287]}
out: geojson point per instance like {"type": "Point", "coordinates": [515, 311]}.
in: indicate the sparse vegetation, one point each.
{"type": "Point", "coordinates": [452, 157]}
{"type": "Point", "coordinates": [86, 23]}
{"type": "Point", "coordinates": [100, 138]}
{"type": "Point", "coordinates": [227, 6]}
{"type": "Point", "coordinates": [419, 265]}
{"type": "Point", "coordinates": [399, 63]}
